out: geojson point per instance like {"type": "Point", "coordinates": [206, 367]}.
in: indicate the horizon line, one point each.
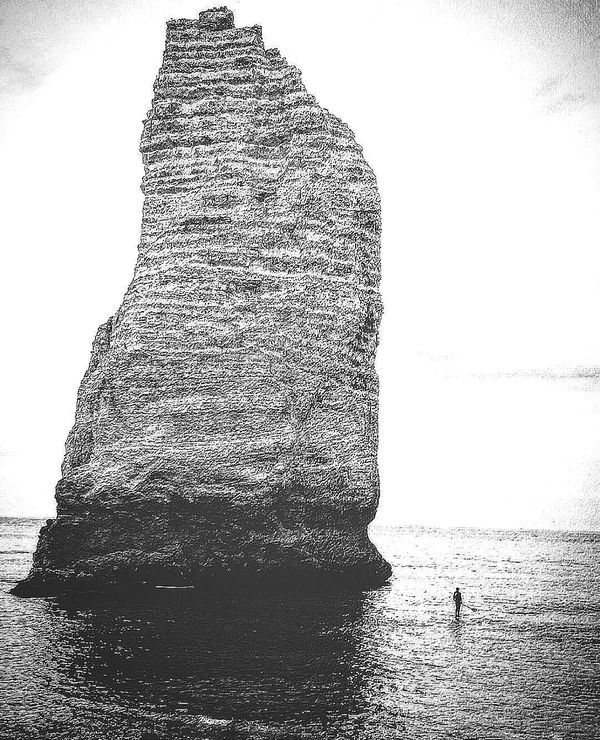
{"type": "Point", "coordinates": [396, 525]}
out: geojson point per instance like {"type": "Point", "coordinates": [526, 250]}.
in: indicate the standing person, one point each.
{"type": "Point", "coordinates": [457, 601]}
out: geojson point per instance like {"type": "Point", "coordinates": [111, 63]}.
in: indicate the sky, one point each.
{"type": "Point", "coordinates": [481, 121]}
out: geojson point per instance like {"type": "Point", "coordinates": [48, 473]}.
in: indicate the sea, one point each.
{"type": "Point", "coordinates": [522, 661]}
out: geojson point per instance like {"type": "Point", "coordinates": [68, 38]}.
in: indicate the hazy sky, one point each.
{"type": "Point", "coordinates": [482, 123]}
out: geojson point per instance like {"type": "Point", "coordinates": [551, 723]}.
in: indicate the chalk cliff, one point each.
{"type": "Point", "coordinates": [226, 428]}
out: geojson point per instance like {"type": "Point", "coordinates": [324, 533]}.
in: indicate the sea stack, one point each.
{"type": "Point", "coordinates": [226, 427]}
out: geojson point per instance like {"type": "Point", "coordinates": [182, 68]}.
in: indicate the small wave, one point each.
{"type": "Point", "coordinates": [15, 552]}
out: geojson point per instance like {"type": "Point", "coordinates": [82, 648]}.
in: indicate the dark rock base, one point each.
{"type": "Point", "coordinates": [121, 551]}
{"type": "Point", "coordinates": [371, 575]}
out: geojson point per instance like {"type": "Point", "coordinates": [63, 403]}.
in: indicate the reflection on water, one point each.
{"type": "Point", "coordinates": [388, 663]}
{"type": "Point", "coordinates": [271, 658]}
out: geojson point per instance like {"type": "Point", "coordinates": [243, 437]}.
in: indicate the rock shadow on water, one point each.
{"type": "Point", "coordinates": [280, 662]}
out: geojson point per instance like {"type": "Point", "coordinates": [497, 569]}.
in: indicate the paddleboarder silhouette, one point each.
{"type": "Point", "coordinates": [457, 596]}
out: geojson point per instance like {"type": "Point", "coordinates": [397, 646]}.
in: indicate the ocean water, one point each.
{"type": "Point", "coordinates": [522, 662]}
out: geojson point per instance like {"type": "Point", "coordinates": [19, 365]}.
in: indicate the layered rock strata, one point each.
{"type": "Point", "coordinates": [226, 427]}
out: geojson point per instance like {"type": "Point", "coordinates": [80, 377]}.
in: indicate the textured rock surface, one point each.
{"type": "Point", "coordinates": [226, 427]}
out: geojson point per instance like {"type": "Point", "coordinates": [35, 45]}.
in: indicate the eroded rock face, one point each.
{"type": "Point", "coordinates": [226, 428]}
